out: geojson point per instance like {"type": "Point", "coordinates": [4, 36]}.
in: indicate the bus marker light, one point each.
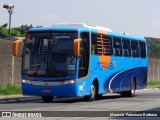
{"type": "Point", "coordinates": [29, 36]}
{"type": "Point", "coordinates": [46, 90]}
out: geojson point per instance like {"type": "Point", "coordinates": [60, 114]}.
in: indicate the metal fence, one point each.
{"type": "Point", "coordinates": [10, 67]}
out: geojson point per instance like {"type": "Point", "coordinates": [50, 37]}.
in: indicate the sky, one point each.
{"type": "Point", "coordinates": [135, 17]}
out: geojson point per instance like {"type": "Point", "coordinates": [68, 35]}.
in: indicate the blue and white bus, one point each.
{"type": "Point", "coordinates": [81, 60]}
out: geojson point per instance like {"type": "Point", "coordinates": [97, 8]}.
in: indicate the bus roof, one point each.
{"type": "Point", "coordinates": [72, 26]}
{"type": "Point", "coordinates": [85, 27]}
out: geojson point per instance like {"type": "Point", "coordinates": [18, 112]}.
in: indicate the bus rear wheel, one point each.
{"type": "Point", "coordinates": [92, 96]}
{"type": "Point", "coordinates": [47, 99]}
{"type": "Point", "coordinates": [131, 92]}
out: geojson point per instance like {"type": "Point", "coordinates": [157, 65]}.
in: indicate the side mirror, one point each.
{"type": "Point", "coordinates": [15, 47]}
{"type": "Point", "coordinates": [77, 46]}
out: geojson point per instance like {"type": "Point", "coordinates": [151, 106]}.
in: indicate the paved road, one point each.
{"type": "Point", "coordinates": [145, 100]}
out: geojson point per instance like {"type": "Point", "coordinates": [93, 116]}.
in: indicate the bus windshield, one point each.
{"type": "Point", "coordinates": [49, 54]}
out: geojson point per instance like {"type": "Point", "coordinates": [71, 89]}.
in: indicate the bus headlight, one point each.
{"type": "Point", "coordinates": [69, 81]}
{"type": "Point", "coordinates": [26, 81]}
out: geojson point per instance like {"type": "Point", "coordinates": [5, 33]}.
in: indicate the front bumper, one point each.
{"type": "Point", "coordinates": [66, 90]}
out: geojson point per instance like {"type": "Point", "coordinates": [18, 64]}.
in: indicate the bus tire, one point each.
{"type": "Point", "coordinates": [47, 99]}
{"type": "Point", "coordinates": [92, 96]}
{"type": "Point", "coordinates": [99, 96]}
{"type": "Point", "coordinates": [131, 92]}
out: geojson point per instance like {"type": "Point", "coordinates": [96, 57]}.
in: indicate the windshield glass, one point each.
{"type": "Point", "coordinates": [49, 54]}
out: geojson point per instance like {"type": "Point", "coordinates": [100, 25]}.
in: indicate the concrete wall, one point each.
{"type": "Point", "coordinates": [6, 60]}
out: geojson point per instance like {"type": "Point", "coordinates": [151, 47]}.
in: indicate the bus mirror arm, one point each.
{"type": "Point", "coordinates": [77, 47]}
{"type": "Point", "coordinates": [15, 47]}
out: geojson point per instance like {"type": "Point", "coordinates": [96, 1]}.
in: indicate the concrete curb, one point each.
{"type": "Point", "coordinates": [16, 98]}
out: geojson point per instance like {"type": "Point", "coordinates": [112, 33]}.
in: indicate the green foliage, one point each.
{"type": "Point", "coordinates": [5, 25]}
{"type": "Point", "coordinates": [153, 47]}
{"type": "Point", "coordinates": [151, 83]}
{"type": "Point", "coordinates": [16, 31]}
{"type": "Point", "coordinates": [10, 89]}
{"type": "Point", "coordinates": [23, 29]}
{"type": "Point", "coordinates": [3, 32]}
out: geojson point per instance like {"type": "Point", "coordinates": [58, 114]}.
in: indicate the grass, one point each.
{"type": "Point", "coordinates": [10, 89]}
{"type": "Point", "coordinates": [153, 84]}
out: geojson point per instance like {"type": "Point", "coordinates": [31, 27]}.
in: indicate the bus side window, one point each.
{"type": "Point", "coordinates": [82, 63]}
{"type": "Point", "coordinates": [126, 48]}
{"type": "Point", "coordinates": [101, 44]}
{"type": "Point", "coordinates": [117, 47]}
{"type": "Point", "coordinates": [142, 49]}
{"type": "Point", "coordinates": [134, 47]}
{"type": "Point", "coordinates": [84, 58]}
{"type": "Point", "coordinates": [107, 45]}
{"type": "Point", "coordinates": [94, 44]}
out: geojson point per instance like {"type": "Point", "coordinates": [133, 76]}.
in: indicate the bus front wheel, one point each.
{"type": "Point", "coordinates": [47, 99]}
{"type": "Point", "coordinates": [92, 96]}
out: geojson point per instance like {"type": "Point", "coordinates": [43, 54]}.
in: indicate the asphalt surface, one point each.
{"type": "Point", "coordinates": [145, 100]}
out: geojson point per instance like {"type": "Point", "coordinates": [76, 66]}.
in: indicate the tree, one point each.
{"type": "Point", "coordinates": [16, 31]}
{"type": "Point", "coordinates": [24, 28]}
{"type": "Point", "coordinates": [3, 32]}
{"type": "Point", "coordinates": [4, 25]}
{"type": "Point", "coordinates": [153, 46]}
